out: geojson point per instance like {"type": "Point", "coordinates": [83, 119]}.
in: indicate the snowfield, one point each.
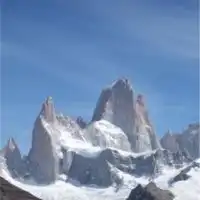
{"type": "Point", "coordinates": [72, 190]}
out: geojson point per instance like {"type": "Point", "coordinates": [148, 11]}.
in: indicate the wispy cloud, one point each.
{"type": "Point", "coordinates": [172, 32]}
{"type": "Point", "coordinates": [81, 48]}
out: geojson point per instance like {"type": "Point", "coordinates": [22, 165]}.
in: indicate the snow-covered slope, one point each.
{"type": "Point", "coordinates": [188, 189]}
{"type": "Point", "coordinates": [60, 190]}
{"type": "Point", "coordinates": [104, 134]}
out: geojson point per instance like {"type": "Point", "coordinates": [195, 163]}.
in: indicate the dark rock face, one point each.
{"type": "Point", "coordinates": [92, 171]}
{"type": "Point", "coordinates": [80, 121]}
{"type": "Point", "coordinates": [13, 159]}
{"type": "Point", "coordinates": [42, 156]}
{"type": "Point", "coordinates": [188, 141]}
{"type": "Point", "coordinates": [182, 176]}
{"type": "Point", "coordinates": [176, 159]}
{"type": "Point", "coordinates": [48, 110]}
{"type": "Point", "coordinates": [170, 141]}
{"type": "Point", "coordinates": [150, 192]}
{"type": "Point", "coordinates": [97, 170]}
{"type": "Point", "coordinates": [116, 104]}
{"type": "Point", "coordinates": [9, 191]}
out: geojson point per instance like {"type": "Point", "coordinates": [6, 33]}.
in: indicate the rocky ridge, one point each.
{"type": "Point", "coordinates": [120, 136]}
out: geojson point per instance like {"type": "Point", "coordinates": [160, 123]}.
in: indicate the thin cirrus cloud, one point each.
{"type": "Point", "coordinates": [174, 31]}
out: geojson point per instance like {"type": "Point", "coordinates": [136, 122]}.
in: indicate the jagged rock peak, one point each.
{"type": "Point", "coordinates": [140, 100]}
{"type": "Point", "coordinates": [80, 121]}
{"type": "Point", "coordinates": [10, 147]}
{"type": "Point", "coordinates": [116, 105]}
{"type": "Point", "coordinates": [12, 156]}
{"type": "Point", "coordinates": [188, 141]}
{"type": "Point", "coordinates": [11, 144]}
{"type": "Point", "coordinates": [42, 155]}
{"type": "Point", "coordinates": [121, 83]}
{"type": "Point", "coordinates": [48, 110]}
{"type": "Point", "coordinates": [169, 132]}
{"type": "Point", "coordinates": [150, 192]}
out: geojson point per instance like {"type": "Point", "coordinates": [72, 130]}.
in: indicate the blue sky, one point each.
{"type": "Point", "coordinates": [72, 49]}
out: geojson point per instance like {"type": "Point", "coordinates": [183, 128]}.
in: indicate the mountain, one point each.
{"type": "Point", "coordinates": [188, 141]}
{"type": "Point", "coordinates": [42, 155]}
{"type": "Point", "coordinates": [117, 104]}
{"type": "Point", "coordinates": [80, 121]}
{"type": "Point", "coordinates": [118, 148]}
{"type": "Point", "coordinates": [55, 134]}
{"type": "Point", "coordinates": [13, 158]}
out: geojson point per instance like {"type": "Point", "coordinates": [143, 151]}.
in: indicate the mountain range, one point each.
{"type": "Point", "coordinates": [118, 142]}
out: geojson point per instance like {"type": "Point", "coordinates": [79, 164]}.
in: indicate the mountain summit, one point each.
{"type": "Point", "coordinates": [48, 110]}
{"type": "Point", "coordinates": [117, 145]}
{"type": "Point", "coordinates": [42, 154]}
{"type": "Point", "coordinates": [117, 104]}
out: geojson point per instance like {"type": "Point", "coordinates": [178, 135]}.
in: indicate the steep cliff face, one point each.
{"type": "Point", "coordinates": [170, 141]}
{"type": "Point", "coordinates": [43, 158]}
{"type": "Point", "coordinates": [188, 141]}
{"type": "Point", "coordinates": [13, 159]}
{"type": "Point", "coordinates": [48, 110]}
{"type": "Point", "coordinates": [117, 105]}
{"type": "Point", "coordinates": [146, 136]}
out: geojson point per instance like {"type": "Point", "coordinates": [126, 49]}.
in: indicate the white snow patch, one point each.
{"type": "Point", "coordinates": [104, 134]}
{"type": "Point", "coordinates": [61, 190]}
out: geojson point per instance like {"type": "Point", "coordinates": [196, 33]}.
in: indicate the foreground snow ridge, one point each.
{"type": "Point", "coordinates": [61, 190]}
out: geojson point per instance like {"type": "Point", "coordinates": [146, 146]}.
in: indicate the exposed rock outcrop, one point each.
{"type": "Point", "coordinates": [42, 156]}
{"type": "Point", "coordinates": [8, 191]}
{"type": "Point", "coordinates": [146, 136]}
{"type": "Point", "coordinates": [150, 192]}
{"type": "Point", "coordinates": [170, 142]}
{"type": "Point", "coordinates": [183, 174]}
{"type": "Point", "coordinates": [80, 121]}
{"type": "Point", "coordinates": [48, 110]}
{"type": "Point", "coordinates": [97, 169]}
{"type": "Point", "coordinates": [116, 104]}
{"type": "Point", "coordinates": [13, 158]}
{"type": "Point", "coordinates": [188, 141]}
